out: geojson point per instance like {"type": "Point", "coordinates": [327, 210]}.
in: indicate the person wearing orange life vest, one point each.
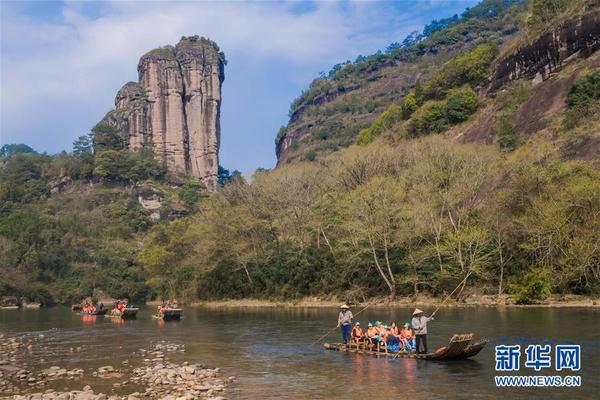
{"type": "Point", "coordinates": [372, 334]}
{"type": "Point", "coordinates": [407, 336]}
{"type": "Point", "coordinates": [358, 334]}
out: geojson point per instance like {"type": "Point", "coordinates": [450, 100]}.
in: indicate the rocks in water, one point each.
{"type": "Point", "coordinates": [179, 381]}
{"type": "Point", "coordinates": [55, 372]}
{"type": "Point", "coordinates": [169, 347]}
{"type": "Point", "coordinates": [160, 378]}
{"type": "Point", "coordinates": [108, 372]}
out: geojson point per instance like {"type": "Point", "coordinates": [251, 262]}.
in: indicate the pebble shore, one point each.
{"type": "Point", "coordinates": [156, 378]}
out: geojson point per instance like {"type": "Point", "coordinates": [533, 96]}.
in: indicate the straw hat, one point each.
{"type": "Point", "coordinates": [344, 306]}
{"type": "Point", "coordinates": [417, 311]}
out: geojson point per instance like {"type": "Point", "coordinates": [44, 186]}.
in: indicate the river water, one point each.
{"type": "Point", "coordinates": [268, 350]}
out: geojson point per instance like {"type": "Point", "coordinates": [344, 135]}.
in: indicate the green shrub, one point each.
{"type": "Point", "coordinates": [311, 155]}
{"type": "Point", "coordinates": [533, 289]}
{"type": "Point", "coordinates": [385, 121]}
{"type": "Point", "coordinates": [585, 90]}
{"type": "Point", "coordinates": [470, 67]}
{"type": "Point", "coordinates": [430, 118]}
{"type": "Point", "coordinates": [190, 193]}
{"type": "Point", "coordinates": [122, 165]}
{"type": "Point", "coordinates": [508, 139]}
{"type": "Point", "coordinates": [582, 99]}
{"type": "Point", "coordinates": [460, 104]}
{"type": "Point", "coordinates": [130, 213]}
{"type": "Point", "coordinates": [319, 133]}
{"type": "Point", "coordinates": [38, 292]}
{"type": "Point", "coordinates": [409, 105]}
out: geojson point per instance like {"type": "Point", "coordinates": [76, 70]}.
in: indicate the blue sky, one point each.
{"type": "Point", "coordinates": [62, 62]}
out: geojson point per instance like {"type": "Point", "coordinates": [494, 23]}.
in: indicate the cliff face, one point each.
{"type": "Point", "coordinates": [175, 107]}
{"type": "Point", "coordinates": [329, 115]}
{"type": "Point", "coordinates": [576, 37]}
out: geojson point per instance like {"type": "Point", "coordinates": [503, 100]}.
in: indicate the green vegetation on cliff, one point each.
{"type": "Point", "coordinates": [355, 93]}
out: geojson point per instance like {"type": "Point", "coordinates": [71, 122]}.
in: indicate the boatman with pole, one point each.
{"type": "Point", "coordinates": [419, 325]}
{"type": "Point", "coordinates": [345, 322]}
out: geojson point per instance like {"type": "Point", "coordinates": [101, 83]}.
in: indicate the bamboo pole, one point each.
{"type": "Point", "coordinates": [442, 303]}
{"type": "Point", "coordinates": [450, 295]}
{"type": "Point", "coordinates": [334, 328]}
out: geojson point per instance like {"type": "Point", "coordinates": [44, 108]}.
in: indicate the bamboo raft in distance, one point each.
{"type": "Point", "coordinates": [460, 347]}
{"type": "Point", "coordinates": [97, 312]}
{"type": "Point", "coordinates": [127, 313]}
{"type": "Point", "coordinates": [173, 314]}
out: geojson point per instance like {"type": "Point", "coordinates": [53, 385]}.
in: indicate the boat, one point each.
{"type": "Point", "coordinates": [127, 313]}
{"type": "Point", "coordinates": [97, 312]}
{"type": "Point", "coordinates": [460, 347]}
{"type": "Point", "coordinates": [172, 314]}
{"type": "Point", "coordinates": [9, 303]}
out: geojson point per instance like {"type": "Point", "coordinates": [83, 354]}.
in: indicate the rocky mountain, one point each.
{"type": "Point", "coordinates": [544, 46]}
{"type": "Point", "coordinates": [175, 107]}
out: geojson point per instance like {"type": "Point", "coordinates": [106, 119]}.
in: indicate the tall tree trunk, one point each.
{"type": "Point", "coordinates": [387, 260]}
{"type": "Point", "coordinates": [501, 270]}
{"type": "Point", "coordinates": [389, 284]}
{"type": "Point", "coordinates": [327, 242]}
{"type": "Point", "coordinates": [248, 273]}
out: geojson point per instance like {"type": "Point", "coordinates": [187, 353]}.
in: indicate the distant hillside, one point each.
{"type": "Point", "coordinates": [544, 45]}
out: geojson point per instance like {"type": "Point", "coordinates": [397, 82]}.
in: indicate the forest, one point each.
{"type": "Point", "coordinates": [405, 211]}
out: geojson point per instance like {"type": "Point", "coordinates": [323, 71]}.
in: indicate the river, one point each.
{"type": "Point", "coordinates": [268, 350]}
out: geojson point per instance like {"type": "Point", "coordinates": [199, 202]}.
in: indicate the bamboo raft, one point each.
{"type": "Point", "coordinates": [460, 347]}
{"type": "Point", "coordinates": [173, 314]}
{"type": "Point", "coordinates": [97, 312]}
{"type": "Point", "coordinates": [127, 313]}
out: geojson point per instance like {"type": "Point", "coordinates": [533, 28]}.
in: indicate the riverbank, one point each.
{"type": "Point", "coordinates": [421, 301]}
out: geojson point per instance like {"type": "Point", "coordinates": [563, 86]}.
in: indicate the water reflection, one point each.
{"type": "Point", "coordinates": [88, 319]}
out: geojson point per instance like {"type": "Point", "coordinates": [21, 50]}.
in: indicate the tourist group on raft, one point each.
{"type": "Point", "coordinates": [90, 308]}
{"type": "Point", "coordinates": [167, 305]}
{"type": "Point", "coordinates": [409, 338]}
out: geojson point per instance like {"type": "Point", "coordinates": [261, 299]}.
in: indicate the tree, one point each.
{"type": "Point", "coordinates": [508, 139]}
{"type": "Point", "coordinates": [83, 146]}
{"type": "Point", "coordinates": [106, 137]}
{"type": "Point", "coordinates": [409, 105]}
{"type": "Point", "coordinates": [9, 149]}
{"type": "Point", "coordinates": [190, 193]}
{"type": "Point", "coordinates": [374, 216]}
{"type": "Point", "coordinates": [460, 104]}
{"type": "Point", "coordinates": [470, 248]}
{"type": "Point", "coordinates": [544, 11]}
{"type": "Point", "coordinates": [224, 177]}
